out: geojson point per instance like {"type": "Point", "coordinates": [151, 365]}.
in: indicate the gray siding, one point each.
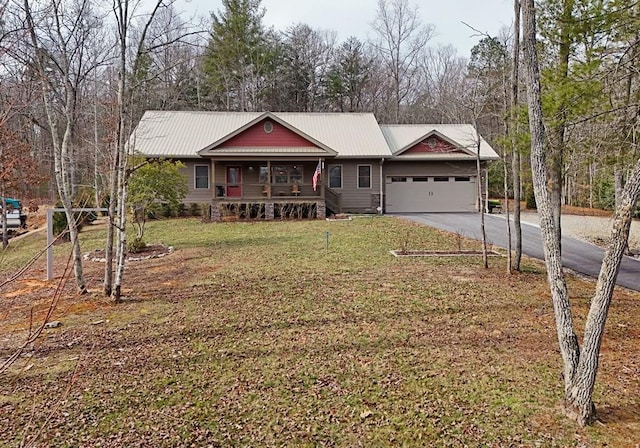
{"type": "Point", "coordinates": [200, 195]}
{"type": "Point", "coordinates": [354, 199]}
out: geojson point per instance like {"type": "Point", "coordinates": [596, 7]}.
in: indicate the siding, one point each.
{"type": "Point", "coordinates": [354, 199]}
{"type": "Point", "coordinates": [439, 146]}
{"type": "Point", "coordinates": [256, 136]}
{"type": "Point", "coordinates": [201, 195]}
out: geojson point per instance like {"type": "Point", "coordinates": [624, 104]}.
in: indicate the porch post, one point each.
{"type": "Point", "coordinates": [213, 178]}
{"type": "Point", "coordinates": [322, 179]}
{"type": "Point", "coordinates": [268, 179]}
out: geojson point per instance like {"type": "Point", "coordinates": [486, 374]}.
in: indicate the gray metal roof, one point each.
{"type": "Point", "coordinates": [401, 137]}
{"type": "Point", "coordinates": [182, 134]}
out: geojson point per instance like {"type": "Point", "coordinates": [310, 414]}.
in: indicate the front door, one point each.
{"type": "Point", "coordinates": [234, 181]}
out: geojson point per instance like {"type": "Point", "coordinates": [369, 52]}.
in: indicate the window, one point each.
{"type": "Point", "coordinates": [364, 176]}
{"type": "Point", "coordinates": [463, 179]}
{"type": "Point", "coordinates": [335, 176]}
{"type": "Point", "coordinates": [263, 178]}
{"type": "Point", "coordinates": [395, 179]}
{"type": "Point", "coordinates": [268, 127]}
{"type": "Point", "coordinates": [420, 179]}
{"type": "Point", "coordinates": [295, 174]}
{"type": "Point", "coordinates": [201, 175]}
{"type": "Point", "coordinates": [441, 179]}
{"type": "Point", "coordinates": [286, 174]}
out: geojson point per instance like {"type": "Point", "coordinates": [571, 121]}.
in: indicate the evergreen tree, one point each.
{"type": "Point", "coordinates": [237, 57]}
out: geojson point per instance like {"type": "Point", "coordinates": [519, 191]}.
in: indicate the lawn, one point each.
{"type": "Point", "coordinates": [258, 334]}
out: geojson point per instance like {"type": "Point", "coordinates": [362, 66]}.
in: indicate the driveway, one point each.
{"type": "Point", "coordinates": [577, 255]}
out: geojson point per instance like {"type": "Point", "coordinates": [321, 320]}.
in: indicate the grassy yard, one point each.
{"type": "Point", "coordinates": [256, 334]}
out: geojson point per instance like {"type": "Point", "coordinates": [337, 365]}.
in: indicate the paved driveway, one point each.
{"type": "Point", "coordinates": [577, 255]}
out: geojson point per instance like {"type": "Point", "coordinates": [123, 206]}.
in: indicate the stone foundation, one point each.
{"type": "Point", "coordinates": [269, 213]}
{"type": "Point", "coordinates": [321, 210]}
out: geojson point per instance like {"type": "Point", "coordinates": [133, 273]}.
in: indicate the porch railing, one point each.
{"type": "Point", "coordinates": [333, 200]}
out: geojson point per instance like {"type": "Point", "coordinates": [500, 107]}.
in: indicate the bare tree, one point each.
{"type": "Point", "coordinates": [142, 43]}
{"type": "Point", "coordinates": [580, 363]}
{"type": "Point", "coordinates": [513, 131]}
{"type": "Point", "coordinates": [60, 41]}
{"type": "Point", "coordinates": [401, 42]}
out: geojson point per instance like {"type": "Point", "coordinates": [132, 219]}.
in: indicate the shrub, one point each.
{"type": "Point", "coordinates": [195, 210]}
{"type": "Point", "coordinates": [136, 245]}
{"type": "Point", "coordinates": [81, 218]}
{"type": "Point", "coordinates": [530, 198]}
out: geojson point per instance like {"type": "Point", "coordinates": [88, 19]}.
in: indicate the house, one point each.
{"type": "Point", "coordinates": [270, 165]}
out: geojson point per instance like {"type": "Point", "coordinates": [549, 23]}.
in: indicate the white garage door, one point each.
{"type": "Point", "coordinates": [430, 194]}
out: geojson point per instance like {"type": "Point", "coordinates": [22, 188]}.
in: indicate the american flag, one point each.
{"type": "Point", "coordinates": [316, 175]}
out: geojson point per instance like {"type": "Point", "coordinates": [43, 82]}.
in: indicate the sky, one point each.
{"type": "Point", "coordinates": [354, 17]}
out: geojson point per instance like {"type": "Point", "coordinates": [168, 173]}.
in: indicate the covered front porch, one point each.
{"type": "Point", "coordinates": [270, 189]}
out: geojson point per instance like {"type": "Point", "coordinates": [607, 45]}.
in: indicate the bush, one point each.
{"type": "Point", "coordinates": [530, 198]}
{"type": "Point", "coordinates": [136, 245]}
{"type": "Point", "coordinates": [195, 210]}
{"type": "Point", "coordinates": [60, 221]}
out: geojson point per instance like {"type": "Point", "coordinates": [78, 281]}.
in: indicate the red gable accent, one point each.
{"type": "Point", "coordinates": [256, 136]}
{"type": "Point", "coordinates": [432, 144]}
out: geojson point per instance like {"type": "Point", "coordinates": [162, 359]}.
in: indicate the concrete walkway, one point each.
{"type": "Point", "coordinates": [577, 255]}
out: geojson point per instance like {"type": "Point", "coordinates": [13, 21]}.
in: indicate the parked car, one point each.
{"type": "Point", "coordinates": [16, 218]}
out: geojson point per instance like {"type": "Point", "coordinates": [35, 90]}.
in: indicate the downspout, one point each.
{"type": "Point", "coordinates": [380, 208]}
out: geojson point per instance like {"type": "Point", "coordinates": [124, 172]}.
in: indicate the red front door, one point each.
{"type": "Point", "coordinates": [234, 181]}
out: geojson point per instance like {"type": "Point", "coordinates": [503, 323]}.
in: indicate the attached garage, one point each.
{"type": "Point", "coordinates": [419, 193]}
{"type": "Point", "coordinates": [434, 168]}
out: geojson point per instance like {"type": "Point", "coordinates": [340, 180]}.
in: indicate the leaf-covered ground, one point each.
{"type": "Point", "coordinates": [258, 335]}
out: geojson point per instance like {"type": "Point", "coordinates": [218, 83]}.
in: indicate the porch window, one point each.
{"type": "Point", "coordinates": [286, 174]}
{"type": "Point", "coordinates": [201, 176]}
{"type": "Point", "coordinates": [364, 176]}
{"type": "Point", "coordinates": [295, 174]}
{"type": "Point", "coordinates": [263, 177]}
{"type": "Point", "coordinates": [335, 176]}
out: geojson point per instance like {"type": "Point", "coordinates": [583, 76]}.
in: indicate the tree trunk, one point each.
{"type": "Point", "coordinates": [618, 180]}
{"type": "Point", "coordinates": [485, 258]}
{"type": "Point", "coordinates": [515, 160]}
{"type": "Point", "coordinates": [567, 339]}
{"type": "Point", "coordinates": [61, 145]}
{"type": "Point", "coordinates": [578, 399]}
{"type": "Point", "coordinates": [5, 233]}
{"type": "Point", "coordinates": [556, 161]}
{"type": "Point", "coordinates": [108, 250]}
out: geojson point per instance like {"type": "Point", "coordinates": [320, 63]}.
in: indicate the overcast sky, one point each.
{"type": "Point", "coordinates": [354, 17]}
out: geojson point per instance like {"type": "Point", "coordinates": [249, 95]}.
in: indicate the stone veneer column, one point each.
{"type": "Point", "coordinates": [268, 211]}
{"type": "Point", "coordinates": [215, 212]}
{"type": "Point", "coordinates": [321, 210]}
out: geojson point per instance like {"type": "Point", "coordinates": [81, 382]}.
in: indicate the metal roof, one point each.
{"type": "Point", "coordinates": [182, 134]}
{"type": "Point", "coordinates": [401, 137]}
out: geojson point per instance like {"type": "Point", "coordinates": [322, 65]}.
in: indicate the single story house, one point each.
{"type": "Point", "coordinates": [276, 164]}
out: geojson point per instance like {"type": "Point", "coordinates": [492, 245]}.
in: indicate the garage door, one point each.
{"type": "Point", "coordinates": [430, 194]}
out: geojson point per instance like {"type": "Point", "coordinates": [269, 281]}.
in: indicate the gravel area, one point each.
{"type": "Point", "coordinates": [595, 229]}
